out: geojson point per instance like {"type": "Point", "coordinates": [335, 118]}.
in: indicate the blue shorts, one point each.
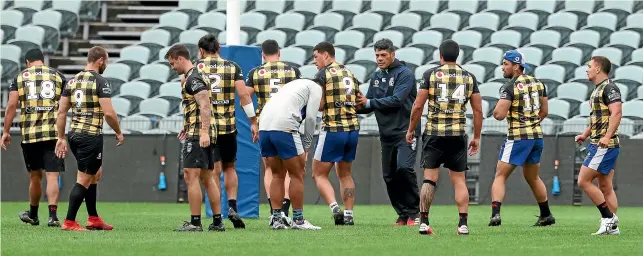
{"type": "Point", "coordinates": [336, 146]}
{"type": "Point", "coordinates": [277, 143]}
{"type": "Point", "coordinates": [520, 152]}
{"type": "Point", "coordinates": [602, 160]}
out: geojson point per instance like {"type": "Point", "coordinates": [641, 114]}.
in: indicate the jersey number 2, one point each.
{"type": "Point", "coordinates": [47, 90]}
{"type": "Point", "coordinates": [458, 93]}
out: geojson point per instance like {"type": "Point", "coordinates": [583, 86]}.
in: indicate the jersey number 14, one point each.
{"type": "Point", "coordinates": [457, 94]}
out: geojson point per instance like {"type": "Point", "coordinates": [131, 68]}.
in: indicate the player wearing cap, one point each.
{"type": "Point", "coordinates": [523, 101]}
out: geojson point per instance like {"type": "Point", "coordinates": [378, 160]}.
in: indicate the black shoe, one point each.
{"type": "Point", "coordinates": [188, 227]}
{"type": "Point", "coordinates": [348, 220]}
{"type": "Point", "coordinates": [338, 215]}
{"type": "Point", "coordinates": [236, 220]}
{"type": "Point", "coordinates": [495, 220]}
{"type": "Point", "coordinates": [53, 222]}
{"type": "Point", "coordinates": [545, 221]}
{"type": "Point", "coordinates": [24, 217]}
{"type": "Point", "coordinates": [217, 228]}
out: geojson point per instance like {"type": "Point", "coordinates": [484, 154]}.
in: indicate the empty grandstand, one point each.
{"type": "Point", "coordinates": [557, 37]}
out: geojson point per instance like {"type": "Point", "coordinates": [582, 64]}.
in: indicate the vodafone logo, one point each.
{"type": "Point", "coordinates": [521, 86]}
{"type": "Point", "coordinates": [201, 66]}
{"type": "Point", "coordinates": [25, 74]}
{"type": "Point", "coordinates": [71, 81]}
{"type": "Point", "coordinates": [262, 72]}
{"type": "Point", "coordinates": [333, 70]}
{"type": "Point", "coordinates": [439, 74]}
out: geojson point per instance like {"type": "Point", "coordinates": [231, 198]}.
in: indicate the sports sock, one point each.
{"type": "Point", "coordinates": [544, 209]}
{"type": "Point", "coordinates": [605, 211]}
{"type": "Point", "coordinates": [195, 220]}
{"type": "Point", "coordinates": [333, 206]}
{"type": "Point", "coordinates": [232, 203]}
{"type": "Point", "coordinates": [75, 200]}
{"type": "Point", "coordinates": [276, 212]}
{"type": "Point", "coordinates": [463, 219]}
{"type": "Point", "coordinates": [424, 218]}
{"type": "Point", "coordinates": [495, 208]}
{"type": "Point", "coordinates": [90, 200]}
{"type": "Point", "coordinates": [33, 211]}
{"type": "Point", "coordinates": [217, 219]}
{"type": "Point", "coordinates": [297, 214]}
{"type": "Point", "coordinates": [285, 206]}
{"type": "Point", "coordinates": [348, 213]}
{"type": "Point", "coordinates": [52, 211]}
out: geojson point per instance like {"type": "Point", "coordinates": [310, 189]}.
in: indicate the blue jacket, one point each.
{"type": "Point", "coordinates": [390, 95]}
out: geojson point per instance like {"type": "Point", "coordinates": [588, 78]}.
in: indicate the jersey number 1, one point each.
{"type": "Point", "coordinates": [458, 93]}
{"type": "Point", "coordinates": [47, 90]}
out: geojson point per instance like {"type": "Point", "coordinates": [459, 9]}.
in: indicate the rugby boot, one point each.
{"type": "Point", "coordinates": [53, 222]}
{"type": "Point", "coordinates": [400, 221]}
{"type": "Point", "coordinates": [545, 221]}
{"type": "Point", "coordinates": [236, 220]}
{"type": "Point", "coordinates": [348, 220]}
{"type": "Point", "coordinates": [69, 225]}
{"type": "Point", "coordinates": [188, 227]}
{"type": "Point", "coordinates": [463, 230]}
{"type": "Point", "coordinates": [495, 220]}
{"type": "Point", "coordinates": [304, 225]}
{"type": "Point", "coordinates": [217, 228]}
{"type": "Point", "coordinates": [425, 229]}
{"type": "Point", "coordinates": [278, 223]}
{"type": "Point", "coordinates": [338, 216]}
{"type": "Point", "coordinates": [96, 223]}
{"type": "Point", "coordinates": [24, 217]}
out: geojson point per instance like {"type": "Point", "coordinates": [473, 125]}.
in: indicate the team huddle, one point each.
{"type": "Point", "coordinates": [283, 124]}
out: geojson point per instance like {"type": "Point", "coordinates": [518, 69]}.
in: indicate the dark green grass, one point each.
{"type": "Point", "coordinates": [146, 229]}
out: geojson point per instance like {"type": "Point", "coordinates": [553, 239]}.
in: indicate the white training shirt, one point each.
{"type": "Point", "coordinates": [283, 112]}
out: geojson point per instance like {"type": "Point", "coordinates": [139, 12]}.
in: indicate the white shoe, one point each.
{"type": "Point", "coordinates": [463, 230]}
{"type": "Point", "coordinates": [286, 220]}
{"type": "Point", "coordinates": [606, 226]}
{"type": "Point", "coordinates": [425, 229]}
{"type": "Point", "coordinates": [278, 224]}
{"type": "Point", "coordinates": [305, 225]}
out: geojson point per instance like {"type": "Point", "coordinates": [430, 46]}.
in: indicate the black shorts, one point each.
{"type": "Point", "coordinates": [88, 150]}
{"type": "Point", "coordinates": [450, 151]}
{"type": "Point", "coordinates": [227, 146]}
{"type": "Point", "coordinates": [194, 156]}
{"type": "Point", "coordinates": [42, 155]}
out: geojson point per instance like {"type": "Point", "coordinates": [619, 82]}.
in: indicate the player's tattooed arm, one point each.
{"type": "Point", "coordinates": [203, 99]}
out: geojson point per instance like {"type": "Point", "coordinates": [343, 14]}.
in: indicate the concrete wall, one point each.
{"type": "Point", "coordinates": [131, 173]}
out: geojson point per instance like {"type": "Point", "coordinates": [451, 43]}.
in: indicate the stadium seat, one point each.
{"type": "Point", "coordinates": [575, 125]}
{"type": "Point", "coordinates": [340, 55]}
{"type": "Point", "coordinates": [563, 23]}
{"type": "Point", "coordinates": [408, 23]}
{"type": "Point", "coordinates": [468, 40]}
{"type": "Point", "coordinates": [626, 127]}
{"type": "Point", "coordinates": [542, 8]}
{"type": "Point", "coordinates": [365, 57]}
{"type": "Point", "coordinates": [308, 39]}
{"type": "Point", "coordinates": [581, 8]}
{"type": "Point", "coordinates": [639, 93]}
{"type": "Point", "coordinates": [190, 39]}
{"type": "Point", "coordinates": [550, 74]}
{"type": "Point", "coordinates": [425, 9]}
{"type": "Point", "coordinates": [253, 23]}
{"type": "Point", "coordinates": [635, 22]}
{"type": "Point", "coordinates": [117, 74]}
{"type": "Point", "coordinates": [309, 8]}
{"type": "Point", "coordinates": [637, 137]}
{"type": "Point", "coordinates": [620, 8]}
{"type": "Point", "coordinates": [637, 58]}
{"type": "Point", "coordinates": [463, 8]}
{"type": "Point", "coordinates": [89, 10]}
{"type": "Point", "coordinates": [291, 23]}
{"type": "Point", "coordinates": [624, 90]}
{"type": "Point", "coordinates": [580, 75]}
{"type": "Point", "coordinates": [28, 37]}
{"type": "Point", "coordinates": [154, 74]}
{"type": "Point", "coordinates": [485, 110]}
{"type": "Point", "coordinates": [350, 41]}
{"type": "Point", "coordinates": [546, 41]}
{"type": "Point", "coordinates": [490, 90]}
{"type": "Point", "coordinates": [445, 23]}
{"type": "Point", "coordinates": [10, 55]}
{"type": "Point", "coordinates": [615, 55]}
{"type": "Point", "coordinates": [10, 52]}
{"type": "Point", "coordinates": [122, 106]}
{"type": "Point", "coordinates": [136, 123]}
{"type": "Point", "coordinates": [28, 8]}
{"type": "Point", "coordinates": [523, 22]}
{"type": "Point", "coordinates": [347, 8]}
{"type": "Point", "coordinates": [293, 56]}
{"type": "Point", "coordinates": [154, 107]}
{"type": "Point", "coordinates": [488, 57]}
{"type": "Point", "coordinates": [11, 20]}
{"type": "Point", "coordinates": [428, 41]}
{"type": "Point", "coordinates": [436, 57]}
{"type": "Point", "coordinates": [134, 56]}
{"type": "Point", "coordinates": [632, 109]}
{"type": "Point", "coordinates": [492, 126]}
{"type": "Point", "coordinates": [559, 109]}
{"type": "Point", "coordinates": [414, 57]}
{"type": "Point", "coordinates": [194, 8]}
{"type": "Point", "coordinates": [386, 8]}
{"type": "Point", "coordinates": [222, 6]}
{"type": "Point", "coordinates": [172, 93]}
{"type": "Point", "coordinates": [243, 37]}
{"type": "Point", "coordinates": [503, 9]}
{"type": "Point", "coordinates": [568, 58]}
{"type": "Point", "coordinates": [419, 71]}
{"type": "Point", "coordinates": [172, 123]}
{"type": "Point", "coordinates": [270, 8]}
{"type": "Point", "coordinates": [212, 22]}
{"type": "Point", "coordinates": [173, 22]}
{"type": "Point", "coordinates": [631, 76]}
{"type": "Point", "coordinates": [584, 109]}
{"type": "Point", "coordinates": [548, 126]}
{"type": "Point", "coordinates": [572, 91]}
{"type": "Point", "coordinates": [396, 37]}
{"type": "Point", "coordinates": [533, 56]}
{"type": "Point", "coordinates": [308, 71]}
{"type": "Point", "coordinates": [155, 40]}
{"type": "Point", "coordinates": [330, 23]}
{"type": "Point", "coordinates": [135, 91]}
{"type": "Point", "coordinates": [626, 41]}
{"type": "Point", "coordinates": [477, 70]}
{"type": "Point", "coordinates": [498, 76]}
{"type": "Point", "coordinates": [603, 23]}
{"type": "Point", "coordinates": [368, 23]}
{"type": "Point", "coordinates": [359, 72]}
{"type": "Point", "coordinates": [51, 22]}
{"type": "Point", "coordinates": [506, 40]}
{"type": "Point", "coordinates": [484, 23]}
{"type": "Point", "coordinates": [277, 35]}
{"type": "Point", "coordinates": [585, 40]}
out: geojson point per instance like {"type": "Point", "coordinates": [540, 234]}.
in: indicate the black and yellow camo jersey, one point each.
{"type": "Point", "coordinates": [222, 74]}
{"type": "Point", "coordinates": [524, 92]}
{"type": "Point", "coordinates": [39, 89]}
{"type": "Point", "coordinates": [195, 82]}
{"type": "Point", "coordinates": [340, 89]}
{"type": "Point", "coordinates": [450, 88]}
{"type": "Point", "coordinates": [604, 94]}
{"type": "Point", "coordinates": [83, 91]}
{"type": "Point", "coordinates": [268, 79]}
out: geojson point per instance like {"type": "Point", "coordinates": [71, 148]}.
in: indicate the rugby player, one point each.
{"type": "Point", "coordinates": [88, 95]}
{"type": "Point", "coordinates": [337, 142]}
{"type": "Point", "coordinates": [284, 147]}
{"type": "Point", "coordinates": [37, 89]}
{"type": "Point", "coordinates": [199, 132]}
{"type": "Point", "coordinates": [605, 117]}
{"type": "Point", "coordinates": [265, 81]}
{"type": "Point", "coordinates": [448, 88]}
{"type": "Point", "coordinates": [523, 101]}
{"type": "Point", "coordinates": [226, 76]}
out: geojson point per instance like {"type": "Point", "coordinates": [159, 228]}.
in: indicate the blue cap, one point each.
{"type": "Point", "coordinates": [514, 56]}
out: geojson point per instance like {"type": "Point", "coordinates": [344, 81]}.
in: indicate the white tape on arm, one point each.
{"type": "Point", "coordinates": [249, 109]}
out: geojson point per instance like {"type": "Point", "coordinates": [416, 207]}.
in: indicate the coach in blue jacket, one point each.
{"type": "Point", "coordinates": [390, 95]}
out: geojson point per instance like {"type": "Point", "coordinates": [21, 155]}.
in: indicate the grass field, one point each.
{"type": "Point", "coordinates": [146, 229]}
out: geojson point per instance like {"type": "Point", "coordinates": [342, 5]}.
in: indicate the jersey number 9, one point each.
{"type": "Point", "coordinates": [348, 84]}
{"type": "Point", "coordinates": [79, 95]}
{"type": "Point", "coordinates": [47, 90]}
